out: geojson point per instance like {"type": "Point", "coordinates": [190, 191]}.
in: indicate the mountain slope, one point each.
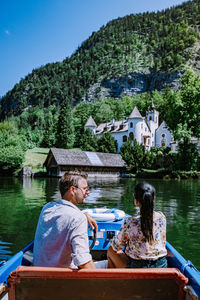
{"type": "Point", "coordinates": [129, 55]}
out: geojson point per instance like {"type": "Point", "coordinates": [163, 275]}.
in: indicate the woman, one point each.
{"type": "Point", "coordinates": [143, 236]}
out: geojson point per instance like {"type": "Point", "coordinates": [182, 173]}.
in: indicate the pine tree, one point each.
{"type": "Point", "coordinates": [65, 128]}
{"type": "Point", "coordinates": [107, 143]}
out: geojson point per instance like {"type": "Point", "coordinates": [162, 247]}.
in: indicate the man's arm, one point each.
{"type": "Point", "coordinates": [91, 222]}
{"type": "Point", "coordinates": [88, 265]}
{"type": "Point", "coordinates": [80, 245]}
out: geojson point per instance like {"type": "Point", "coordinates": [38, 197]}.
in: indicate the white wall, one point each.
{"type": "Point", "coordinates": [163, 135]}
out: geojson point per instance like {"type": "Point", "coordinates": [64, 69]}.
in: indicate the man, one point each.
{"type": "Point", "coordinates": [61, 238]}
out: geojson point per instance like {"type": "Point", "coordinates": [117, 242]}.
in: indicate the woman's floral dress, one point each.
{"type": "Point", "coordinates": [131, 237]}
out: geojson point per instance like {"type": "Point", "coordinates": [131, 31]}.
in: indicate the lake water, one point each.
{"type": "Point", "coordinates": [21, 201]}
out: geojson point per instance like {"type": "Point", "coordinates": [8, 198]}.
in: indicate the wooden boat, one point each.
{"type": "Point", "coordinates": [20, 280]}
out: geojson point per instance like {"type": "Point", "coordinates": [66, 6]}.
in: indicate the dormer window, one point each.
{"type": "Point", "coordinates": [113, 128]}
{"type": "Point", "coordinates": [121, 126]}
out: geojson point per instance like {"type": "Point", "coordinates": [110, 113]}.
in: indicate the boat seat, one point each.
{"type": "Point", "coordinates": [59, 283]}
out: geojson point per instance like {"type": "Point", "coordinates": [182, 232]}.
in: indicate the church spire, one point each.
{"type": "Point", "coordinates": [90, 122]}
{"type": "Point", "coordinates": [152, 105]}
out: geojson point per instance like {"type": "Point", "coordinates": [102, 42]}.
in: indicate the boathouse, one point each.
{"type": "Point", "coordinates": [96, 164]}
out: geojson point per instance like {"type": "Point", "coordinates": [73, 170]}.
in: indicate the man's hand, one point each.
{"type": "Point", "coordinates": [91, 222]}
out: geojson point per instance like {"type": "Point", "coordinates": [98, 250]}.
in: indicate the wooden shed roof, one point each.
{"type": "Point", "coordinates": [84, 158]}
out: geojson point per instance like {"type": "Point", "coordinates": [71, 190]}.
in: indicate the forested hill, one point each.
{"type": "Point", "coordinates": [133, 54]}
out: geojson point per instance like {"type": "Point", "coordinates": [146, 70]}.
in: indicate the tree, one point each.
{"type": "Point", "coordinates": [51, 119]}
{"type": "Point", "coordinates": [188, 156]}
{"type": "Point", "coordinates": [135, 155]}
{"type": "Point", "coordinates": [81, 113]}
{"type": "Point", "coordinates": [65, 128]}
{"type": "Point", "coordinates": [88, 141]}
{"type": "Point", "coordinates": [107, 143]}
{"type": "Point", "coordinates": [12, 147]}
{"type": "Point", "coordinates": [183, 117]}
{"type": "Point", "coordinates": [183, 114]}
{"type": "Point", "coordinates": [104, 113]}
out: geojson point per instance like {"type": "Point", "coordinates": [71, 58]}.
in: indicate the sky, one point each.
{"type": "Point", "coordinates": [36, 32]}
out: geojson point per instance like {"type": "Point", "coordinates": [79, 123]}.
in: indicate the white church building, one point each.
{"type": "Point", "coordinates": [145, 130]}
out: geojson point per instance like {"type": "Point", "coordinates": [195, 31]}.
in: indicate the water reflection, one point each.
{"type": "Point", "coordinates": [21, 201]}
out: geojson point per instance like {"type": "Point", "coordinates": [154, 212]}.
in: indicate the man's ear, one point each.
{"type": "Point", "coordinates": [72, 189]}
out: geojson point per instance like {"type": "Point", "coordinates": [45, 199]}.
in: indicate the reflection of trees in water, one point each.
{"type": "Point", "coordinates": [105, 192]}
{"type": "Point", "coordinates": [51, 189]}
{"type": "Point", "coordinates": [21, 200]}
{"type": "Point", "coordinates": [127, 197]}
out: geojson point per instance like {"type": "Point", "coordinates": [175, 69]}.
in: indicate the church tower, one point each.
{"type": "Point", "coordinates": [90, 124]}
{"type": "Point", "coordinates": [152, 116]}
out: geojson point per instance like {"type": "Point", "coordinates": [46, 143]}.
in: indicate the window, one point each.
{"type": "Point", "coordinates": [150, 118]}
{"type": "Point", "coordinates": [131, 136]}
{"type": "Point", "coordinates": [163, 135]}
{"type": "Point", "coordinates": [124, 138]}
{"type": "Point", "coordinates": [131, 125]}
{"type": "Point", "coordinates": [163, 142]}
{"type": "Point", "coordinates": [121, 126]}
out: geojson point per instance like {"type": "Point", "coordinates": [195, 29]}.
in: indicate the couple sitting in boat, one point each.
{"type": "Point", "coordinates": [61, 238]}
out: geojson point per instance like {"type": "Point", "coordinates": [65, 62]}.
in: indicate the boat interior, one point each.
{"type": "Point", "coordinates": [26, 282]}
{"type": "Point", "coordinates": [29, 282]}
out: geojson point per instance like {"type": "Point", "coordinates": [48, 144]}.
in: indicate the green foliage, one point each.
{"type": "Point", "coordinates": [188, 157]}
{"type": "Point", "coordinates": [50, 127]}
{"type": "Point", "coordinates": [135, 155]}
{"type": "Point", "coordinates": [88, 141]}
{"type": "Point", "coordinates": [81, 113]}
{"type": "Point", "coordinates": [163, 158]}
{"type": "Point", "coordinates": [183, 114]}
{"type": "Point", "coordinates": [183, 117]}
{"type": "Point", "coordinates": [107, 143]}
{"type": "Point", "coordinates": [12, 147]}
{"type": "Point", "coordinates": [38, 125]}
{"type": "Point", "coordinates": [65, 128]}
{"type": "Point", "coordinates": [11, 157]}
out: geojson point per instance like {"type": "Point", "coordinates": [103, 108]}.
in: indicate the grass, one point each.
{"type": "Point", "coordinates": [35, 158]}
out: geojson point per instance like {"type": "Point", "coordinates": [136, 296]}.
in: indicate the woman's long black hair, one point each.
{"type": "Point", "coordinates": [144, 194]}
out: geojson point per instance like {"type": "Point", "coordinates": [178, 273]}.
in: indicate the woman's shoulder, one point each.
{"type": "Point", "coordinates": [134, 219]}
{"type": "Point", "coordinates": [159, 214]}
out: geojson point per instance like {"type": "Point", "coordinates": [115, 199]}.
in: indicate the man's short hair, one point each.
{"type": "Point", "coordinates": [70, 179]}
